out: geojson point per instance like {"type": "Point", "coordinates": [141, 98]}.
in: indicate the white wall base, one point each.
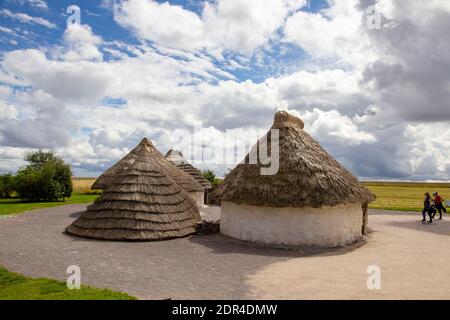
{"type": "Point", "coordinates": [198, 196]}
{"type": "Point", "coordinates": [326, 226]}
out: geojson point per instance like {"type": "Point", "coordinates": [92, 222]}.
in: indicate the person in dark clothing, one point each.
{"type": "Point", "coordinates": [427, 208]}
{"type": "Point", "coordinates": [438, 204]}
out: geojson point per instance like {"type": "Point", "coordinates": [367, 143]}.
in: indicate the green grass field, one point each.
{"type": "Point", "coordinates": [14, 286]}
{"type": "Point", "coordinates": [14, 206]}
{"type": "Point", "coordinates": [404, 196]}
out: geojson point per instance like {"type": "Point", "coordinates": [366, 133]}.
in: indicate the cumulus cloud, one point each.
{"type": "Point", "coordinates": [7, 30]}
{"type": "Point", "coordinates": [25, 18]}
{"type": "Point", "coordinates": [11, 158]}
{"type": "Point", "coordinates": [38, 4]}
{"type": "Point", "coordinates": [41, 4]}
{"type": "Point", "coordinates": [334, 32]}
{"type": "Point", "coordinates": [231, 104]}
{"type": "Point", "coordinates": [325, 89]}
{"type": "Point", "coordinates": [240, 26]}
{"type": "Point", "coordinates": [331, 127]}
{"type": "Point", "coordinates": [429, 145]}
{"type": "Point", "coordinates": [411, 74]}
{"type": "Point", "coordinates": [46, 126]}
{"type": "Point", "coordinates": [377, 99]}
{"type": "Point", "coordinates": [406, 65]}
{"type": "Point", "coordinates": [64, 80]}
{"type": "Point", "coordinates": [163, 23]}
{"type": "Point", "coordinates": [82, 43]}
{"type": "Point", "coordinates": [7, 112]}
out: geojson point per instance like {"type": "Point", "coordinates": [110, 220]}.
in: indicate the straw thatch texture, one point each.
{"type": "Point", "coordinates": [307, 177]}
{"type": "Point", "coordinates": [180, 177]}
{"type": "Point", "coordinates": [215, 195]}
{"type": "Point", "coordinates": [142, 203]}
{"type": "Point", "coordinates": [176, 157]}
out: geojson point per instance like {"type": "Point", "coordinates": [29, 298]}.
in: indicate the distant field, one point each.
{"type": "Point", "coordinates": [404, 196]}
{"type": "Point", "coordinates": [82, 185]}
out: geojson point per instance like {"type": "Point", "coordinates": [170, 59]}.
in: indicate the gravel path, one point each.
{"type": "Point", "coordinates": [414, 260]}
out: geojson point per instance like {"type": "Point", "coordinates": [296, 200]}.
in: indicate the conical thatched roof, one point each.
{"type": "Point", "coordinates": [307, 177]}
{"type": "Point", "coordinates": [176, 157]}
{"type": "Point", "coordinates": [186, 181]}
{"type": "Point", "coordinates": [142, 203]}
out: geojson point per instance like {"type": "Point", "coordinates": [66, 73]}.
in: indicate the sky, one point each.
{"type": "Point", "coordinates": [90, 79]}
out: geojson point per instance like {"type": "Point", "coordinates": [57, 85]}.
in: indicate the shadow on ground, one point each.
{"type": "Point", "coordinates": [75, 215]}
{"type": "Point", "coordinates": [221, 244]}
{"type": "Point", "coordinates": [441, 227]}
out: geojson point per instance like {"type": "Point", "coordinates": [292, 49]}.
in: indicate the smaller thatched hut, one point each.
{"type": "Point", "coordinates": [185, 180]}
{"type": "Point", "coordinates": [176, 157]}
{"type": "Point", "coordinates": [142, 202]}
{"type": "Point", "coordinates": [311, 200]}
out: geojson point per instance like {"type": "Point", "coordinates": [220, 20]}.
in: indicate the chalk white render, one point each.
{"type": "Point", "coordinates": [325, 226]}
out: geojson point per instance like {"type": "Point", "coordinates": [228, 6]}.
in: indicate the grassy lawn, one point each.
{"type": "Point", "coordinates": [12, 206]}
{"type": "Point", "coordinates": [404, 196]}
{"type": "Point", "coordinates": [14, 286]}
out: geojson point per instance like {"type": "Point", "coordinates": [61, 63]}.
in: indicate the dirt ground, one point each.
{"type": "Point", "coordinates": [413, 259]}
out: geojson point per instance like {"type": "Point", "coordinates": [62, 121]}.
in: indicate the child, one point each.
{"type": "Point", "coordinates": [427, 208]}
{"type": "Point", "coordinates": [438, 204]}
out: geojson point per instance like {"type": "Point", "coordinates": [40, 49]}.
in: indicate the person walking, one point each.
{"type": "Point", "coordinates": [439, 205]}
{"type": "Point", "coordinates": [427, 208]}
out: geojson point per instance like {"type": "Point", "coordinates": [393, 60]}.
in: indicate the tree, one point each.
{"type": "Point", "coordinates": [45, 178]}
{"type": "Point", "coordinates": [211, 177]}
{"type": "Point", "coordinates": [38, 159]}
{"type": "Point", "coordinates": [6, 185]}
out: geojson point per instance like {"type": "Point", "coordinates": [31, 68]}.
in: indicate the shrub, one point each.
{"type": "Point", "coordinates": [211, 177]}
{"type": "Point", "coordinates": [6, 185]}
{"type": "Point", "coordinates": [46, 178]}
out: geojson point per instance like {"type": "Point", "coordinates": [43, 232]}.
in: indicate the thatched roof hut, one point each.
{"type": "Point", "coordinates": [311, 200]}
{"type": "Point", "coordinates": [142, 203]}
{"type": "Point", "coordinates": [186, 181]}
{"type": "Point", "coordinates": [176, 157]}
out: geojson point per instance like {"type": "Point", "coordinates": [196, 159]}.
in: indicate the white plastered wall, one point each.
{"type": "Point", "coordinates": [198, 196]}
{"type": "Point", "coordinates": [325, 226]}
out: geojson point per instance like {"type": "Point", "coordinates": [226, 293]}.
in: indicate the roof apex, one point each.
{"type": "Point", "coordinates": [283, 118]}
{"type": "Point", "coordinates": [175, 156]}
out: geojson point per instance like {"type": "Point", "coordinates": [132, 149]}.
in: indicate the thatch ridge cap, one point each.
{"type": "Point", "coordinates": [282, 118]}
